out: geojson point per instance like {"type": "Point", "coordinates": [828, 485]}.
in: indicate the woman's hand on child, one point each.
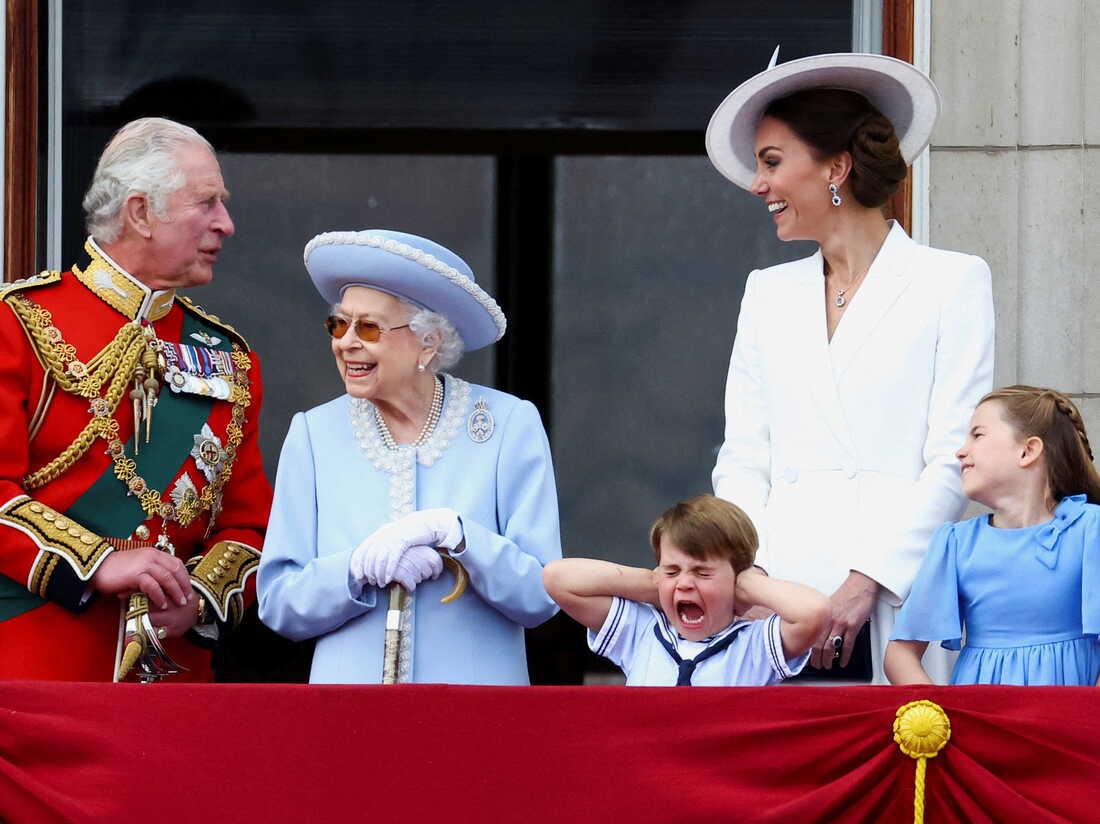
{"type": "Point", "coordinates": [851, 607]}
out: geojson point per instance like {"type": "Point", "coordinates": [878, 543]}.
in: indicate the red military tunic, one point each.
{"type": "Point", "coordinates": [65, 339]}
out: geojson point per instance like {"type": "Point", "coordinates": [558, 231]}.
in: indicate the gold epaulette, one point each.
{"type": "Point", "coordinates": [44, 278]}
{"type": "Point", "coordinates": [190, 306]}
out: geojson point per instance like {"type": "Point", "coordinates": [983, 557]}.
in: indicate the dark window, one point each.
{"type": "Point", "coordinates": [557, 145]}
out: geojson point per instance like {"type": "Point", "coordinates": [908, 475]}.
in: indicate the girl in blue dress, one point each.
{"type": "Point", "coordinates": [1023, 583]}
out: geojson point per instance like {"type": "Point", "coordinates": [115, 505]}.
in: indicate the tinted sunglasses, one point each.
{"type": "Point", "coordinates": [365, 330]}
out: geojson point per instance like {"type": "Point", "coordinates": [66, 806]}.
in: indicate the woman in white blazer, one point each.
{"type": "Point", "coordinates": [854, 371]}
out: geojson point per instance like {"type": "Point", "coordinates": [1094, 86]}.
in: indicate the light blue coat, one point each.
{"type": "Point", "coordinates": [337, 483]}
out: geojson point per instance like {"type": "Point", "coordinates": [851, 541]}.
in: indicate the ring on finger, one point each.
{"type": "Point", "coordinates": [837, 643]}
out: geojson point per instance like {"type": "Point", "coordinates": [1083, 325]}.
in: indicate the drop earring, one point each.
{"type": "Point", "coordinates": [836, 195]}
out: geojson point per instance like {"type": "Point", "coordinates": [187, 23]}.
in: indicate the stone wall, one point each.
{"type": "Point", "coordinates": [1015, 178]}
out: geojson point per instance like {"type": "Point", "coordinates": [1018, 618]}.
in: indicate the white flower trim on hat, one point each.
{"type": "Point", "coordinates": [428, 261]}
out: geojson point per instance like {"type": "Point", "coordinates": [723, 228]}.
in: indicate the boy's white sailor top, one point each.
{"type": "Point", "coordinates": [754, 658]}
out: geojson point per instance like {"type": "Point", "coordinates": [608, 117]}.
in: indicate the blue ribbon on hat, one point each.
{"type": "Point", "coordinates": [1066, 513]}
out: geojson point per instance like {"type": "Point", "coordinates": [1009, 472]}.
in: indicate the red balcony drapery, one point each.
{"type": "Point", "coordinates": [99, 752]}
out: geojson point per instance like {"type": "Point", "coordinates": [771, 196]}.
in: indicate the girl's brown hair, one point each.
{"type": "Point", "coordinates": [1049, 415]}
{"type": "Point", "coordinates": [836, 120]}
{"type": "Point", "coordinates": [707, 527]}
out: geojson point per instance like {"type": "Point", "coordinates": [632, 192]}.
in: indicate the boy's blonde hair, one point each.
{"type": "Point", "coordinates": [1049, 415]}
{"type": "Point", "coordinates": [707, 527]}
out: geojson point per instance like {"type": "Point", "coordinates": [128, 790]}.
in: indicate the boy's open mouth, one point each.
{"type": "Point", "coordinates": [691, 614]}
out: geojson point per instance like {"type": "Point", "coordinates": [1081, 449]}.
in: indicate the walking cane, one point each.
{"type": "Point", "coordinates": [397, 637]}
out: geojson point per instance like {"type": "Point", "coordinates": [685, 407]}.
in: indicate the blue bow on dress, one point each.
{"type": "Point", "coordinates": [1069, 510]}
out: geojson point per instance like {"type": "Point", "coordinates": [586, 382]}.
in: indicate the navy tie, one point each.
{"type": "Point", "coordinates": [687, 668]}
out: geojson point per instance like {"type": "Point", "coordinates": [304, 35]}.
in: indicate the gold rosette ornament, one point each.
{"type": "Point", "coordinates": [921, 730]}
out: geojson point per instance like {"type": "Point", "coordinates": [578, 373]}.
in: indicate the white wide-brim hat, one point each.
{"type": "Point", "coordinates": [409, 267]}
{"type": "Point", "coordinates": [902, 92]}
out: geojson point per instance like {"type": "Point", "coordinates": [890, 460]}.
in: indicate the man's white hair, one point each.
{"type": "Point", "coordinates": [141, 158]}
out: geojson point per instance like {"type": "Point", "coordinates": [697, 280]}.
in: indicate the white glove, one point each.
{"type": "Point", "coordinates": [375, 560]}
{"type": "Point", "coordinates": [418, 563]}
{"type": "Point", "coordinates": [430, 527]}
{"type": "Point", "coordinates": [413, 564]}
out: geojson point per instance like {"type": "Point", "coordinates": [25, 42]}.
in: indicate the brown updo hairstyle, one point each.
{"type": "Point", "coordinates": [836, 120]}
{"type": "Point", "coordinates": [1049, 415]}
{"type": "Point", "coordinates": [706, 527]}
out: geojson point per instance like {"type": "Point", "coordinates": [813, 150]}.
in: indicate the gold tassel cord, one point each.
{"type": "Point", "coordinates": [136, 643]}
{"type": "Point", "coordinates": [129, 360]}
{"type": "Point", "coordinates": [129, 658]}
{"type": "Point", "coordinates": [921, 730]}
{"type": "Point", "coordinates": [115, 363]}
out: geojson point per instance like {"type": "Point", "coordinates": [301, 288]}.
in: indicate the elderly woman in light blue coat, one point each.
{"type": "Point", "coordinates": [412, 464]}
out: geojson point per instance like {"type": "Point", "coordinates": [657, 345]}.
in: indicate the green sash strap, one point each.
{"type": "Point", "coordinates": [106, 508]}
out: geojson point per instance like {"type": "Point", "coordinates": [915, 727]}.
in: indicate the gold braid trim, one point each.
{"type": "Point", "coordinates": [222, 573]}
{"type": "Point", "coordinates": [43, 278]}
{"type": "Point", "coordinates": [59, 357]}
{"type": "Point", "coordinates": [189, 508]}
{"type": "Point", "coordinates": [110, 285]}
{"type": "Point", "coordinates": [56, 534]}
{"type": "Point", "coordinates": [117, 362]}
{"type": "Point", "coordinates": [43, 571]}
{"type": "Point", "coordinates": [102, 425]}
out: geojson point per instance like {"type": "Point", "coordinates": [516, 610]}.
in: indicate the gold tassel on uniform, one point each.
{"type": "Point", "coordinates": [921, 730]}
{"type": "Point", "coordinates": [143, 647]}
{"type": "Point", "coordinates": [137, 395]}
{"type": "Point", "coordinates": [151, 359]}
{"type": "Point", "coordinates": [135, 641]}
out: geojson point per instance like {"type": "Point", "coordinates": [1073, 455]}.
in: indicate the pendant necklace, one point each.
{"type": "Point", "coordinates": [840, 301]}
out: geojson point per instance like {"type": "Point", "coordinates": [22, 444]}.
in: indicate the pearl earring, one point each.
{"type": "Point", "coordinates": [836, 197]}
{"type": "Point", "coordinates": [420, 367]}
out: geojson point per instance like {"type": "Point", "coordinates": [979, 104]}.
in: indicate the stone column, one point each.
{"type": "Point", "coordinates": [1015, 178]}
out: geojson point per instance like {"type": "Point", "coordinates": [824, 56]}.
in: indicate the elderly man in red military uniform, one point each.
{"type": "Point", "coordinates": [132, 495]}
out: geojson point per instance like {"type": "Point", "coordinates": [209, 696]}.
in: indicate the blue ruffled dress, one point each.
{"type": "Point", "coordinates": [1029, 599]}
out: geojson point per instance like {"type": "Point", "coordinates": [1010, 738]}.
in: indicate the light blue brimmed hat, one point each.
{"type": "Point", "coordinates": [409, 267]}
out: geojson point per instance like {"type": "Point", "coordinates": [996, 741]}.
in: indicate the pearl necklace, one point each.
{"type": "Point", "coordinates": [429, 425]}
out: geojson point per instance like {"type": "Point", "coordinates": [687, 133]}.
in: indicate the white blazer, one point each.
{"type": "Point", "coordinates": [843, 452]}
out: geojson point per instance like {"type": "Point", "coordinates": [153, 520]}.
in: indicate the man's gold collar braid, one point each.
{"type": "Point", "coordinates": [119, 289]}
